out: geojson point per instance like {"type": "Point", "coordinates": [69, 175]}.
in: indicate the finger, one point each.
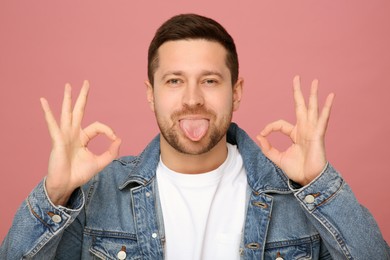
{"type": "Point", "coordinates": [325, 113]}
{"type": "Point", "coordinates": [265, 145]}
{"type": "Point", "coordinates": [268, 150]}
{"type": "Point", "coordinates": [313, 102]}
{"type": "Point", "coordinates": [95, 129]}
{"type": "Point", "coordinates": [278, 126]}
{"type": "Point", "coordinates": [108, 156]}
{"type": "Point", "coordinates": [66, 114]}
{"type": "Point", "coordinates": [300, 106]}
{"type": "Point", "coordinates": [50, 119]}
{"type": "Point", "coordinates": [79, 107]}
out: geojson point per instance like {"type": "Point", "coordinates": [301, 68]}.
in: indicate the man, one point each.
{"type": "Point", "coordinates": [202, 189]}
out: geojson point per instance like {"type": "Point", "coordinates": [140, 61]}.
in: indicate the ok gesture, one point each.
{"type": "Point", "coordinates": [305, 159]}
{"type": "Point", "coordinates": [71, 163]}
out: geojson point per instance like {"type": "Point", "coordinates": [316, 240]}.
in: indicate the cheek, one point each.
{"type": "Point", "coordinates": [221, 104]}
{"type": "Point", "coordinates": [164, 104]}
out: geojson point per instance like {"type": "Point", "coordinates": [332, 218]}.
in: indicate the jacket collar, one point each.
{"type": "Point", "coordinates": [263, 176]}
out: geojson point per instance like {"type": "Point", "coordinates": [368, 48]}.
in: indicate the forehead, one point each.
{"type": "Point", "coordinates": [192, 54]}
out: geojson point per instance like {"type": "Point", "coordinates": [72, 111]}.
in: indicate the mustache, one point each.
{"type": "Point", "coordinates": [193, 110]}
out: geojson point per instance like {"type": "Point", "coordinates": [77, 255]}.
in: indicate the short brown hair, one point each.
{"type": "Point", "coordinates": [192, 26]}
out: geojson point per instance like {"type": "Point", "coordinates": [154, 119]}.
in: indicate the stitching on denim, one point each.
{"type": "Point", "coordinates": [332, 230]}
{"type": "Point", "coordinates": [109, 234]}
{"type": "Point", "coordinates": [331, 197]}
{"type": "Point", "coordinates": [37, 216]}
{"type": "Point", "coordinates": [293, 242]}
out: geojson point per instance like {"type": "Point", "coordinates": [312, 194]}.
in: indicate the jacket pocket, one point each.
{"type": "Point", "coordinates": [113, 245]}
{"type": "Point", "coordinates": [295, 249]}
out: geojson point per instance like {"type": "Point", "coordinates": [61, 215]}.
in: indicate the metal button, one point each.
{"type": "Point", "coordinates": [56, 218]}
{"type": "Point", "coordinates": [154, 235]}
{"type": "Point", "coordinates": [121, 255]}
{"type": "Point", "coordinates": [309, 199]}
{"type": "Point", "coordinates": [147, 194]}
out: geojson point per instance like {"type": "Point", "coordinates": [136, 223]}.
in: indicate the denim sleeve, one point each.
{"type": "Point", "coordinates": [38, 226]}
{"type": "Point", "coordinates": [348, 230]}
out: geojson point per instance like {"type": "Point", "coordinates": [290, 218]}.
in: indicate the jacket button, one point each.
{"type": "Point", "coordinates": [154, 235]}
{"type": "Point", "coordinates": [121, 255]}
{"type": "Point", "coordinates": [56, 218]}
{"type": "Point", "coordinates": [279, 258]}
{"type": "Point", "coordinates": [309, 199]}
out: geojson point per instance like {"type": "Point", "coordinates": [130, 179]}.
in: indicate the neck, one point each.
{"type": "Point", "coordinates": [193, 164]}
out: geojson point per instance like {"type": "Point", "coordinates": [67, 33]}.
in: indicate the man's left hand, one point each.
{"type": "Point", "coordinates": [305, 159]}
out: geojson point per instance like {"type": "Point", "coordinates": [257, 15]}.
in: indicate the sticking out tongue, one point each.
{"type": "Point", "coordinates": [194, 129]}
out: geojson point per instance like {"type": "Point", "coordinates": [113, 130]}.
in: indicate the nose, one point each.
{"type": "Point", "coordinates": [193, 95]}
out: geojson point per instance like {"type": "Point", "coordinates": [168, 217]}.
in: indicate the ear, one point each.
{"type": "Point", "coordinates": [237, 93]}
{"type": "Point", "coordinates": [149, 94]}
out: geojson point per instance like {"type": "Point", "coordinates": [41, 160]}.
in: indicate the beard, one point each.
{"type": "Point", "coordinates": [172, 132]}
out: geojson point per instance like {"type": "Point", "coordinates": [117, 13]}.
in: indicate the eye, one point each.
{"type": "Point", "coordinates": [174, 81]}
{"type": "Point", "coordinates": [210, 82]}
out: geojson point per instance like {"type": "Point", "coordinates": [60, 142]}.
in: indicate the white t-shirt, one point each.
{"type": "Point", "coordinates": [204, 213]}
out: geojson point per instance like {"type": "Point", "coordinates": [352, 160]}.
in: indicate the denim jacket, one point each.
{"type": "Point", "coordinates": [117, 215]}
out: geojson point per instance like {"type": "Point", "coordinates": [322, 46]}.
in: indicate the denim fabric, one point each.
{"type": "Point", "coordinates": [119, 210]}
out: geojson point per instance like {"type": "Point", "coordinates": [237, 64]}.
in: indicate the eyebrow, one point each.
{"type": "Point", "coordinates": [174, 72]}
{"type": "Point", "coordinates": [211, 72]}
{"type": "Point", "coordinates": [181, 73]}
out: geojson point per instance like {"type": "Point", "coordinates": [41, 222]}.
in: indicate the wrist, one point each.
{"type": "Point", "coordinates": [58, 196]}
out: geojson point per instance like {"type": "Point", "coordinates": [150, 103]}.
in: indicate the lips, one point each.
{"type": "Point", "coordinates": [194, 128]}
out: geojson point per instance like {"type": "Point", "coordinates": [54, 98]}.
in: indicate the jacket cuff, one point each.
{"type": "Point", "coordinates": [54, 217]}
{"type": "Point", "coordinates": [321, 190]}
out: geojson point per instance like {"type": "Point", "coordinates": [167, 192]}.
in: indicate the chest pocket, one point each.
{"type": "Point", "coordinates": [113, 245]}
{"type": "Point", "coordinates": [299, 249]}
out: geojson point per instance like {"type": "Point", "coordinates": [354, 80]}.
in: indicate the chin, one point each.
{"type": "Point", "coordinates": [190, 147]}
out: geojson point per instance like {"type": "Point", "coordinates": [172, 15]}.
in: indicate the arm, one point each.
{"type": "Point", "coordinates": [344, 225]}
{"type": "Point", "coordinates": [40, 221]}
{"type": "Point", "coordinates": [347, 228]}
{"type": "Point", "coordinates": [38, 225]}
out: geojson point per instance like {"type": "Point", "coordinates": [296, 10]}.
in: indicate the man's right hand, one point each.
{"type": "Point", "coordinates": [71, 164]}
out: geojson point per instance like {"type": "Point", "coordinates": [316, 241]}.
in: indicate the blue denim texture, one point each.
{"type": "Point", "coordinates": [119, 209]}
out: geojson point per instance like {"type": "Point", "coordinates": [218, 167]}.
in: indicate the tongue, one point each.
{"type": "Point", "coordinates": [194, 129]}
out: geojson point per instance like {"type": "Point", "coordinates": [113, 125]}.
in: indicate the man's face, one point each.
{"type": "Point", "coordinates": [192, 96]}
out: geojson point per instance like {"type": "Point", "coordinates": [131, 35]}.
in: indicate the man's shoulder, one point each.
{"type": "Point", "coordinates": [115, 172]}
{"type": "Point", "coordinates": [125, 160]}
{"type": "Point", "coordinates": [121, 166]}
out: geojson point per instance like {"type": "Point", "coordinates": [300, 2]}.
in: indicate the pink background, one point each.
{"type": "Point", "coordinates": [45, 44]}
